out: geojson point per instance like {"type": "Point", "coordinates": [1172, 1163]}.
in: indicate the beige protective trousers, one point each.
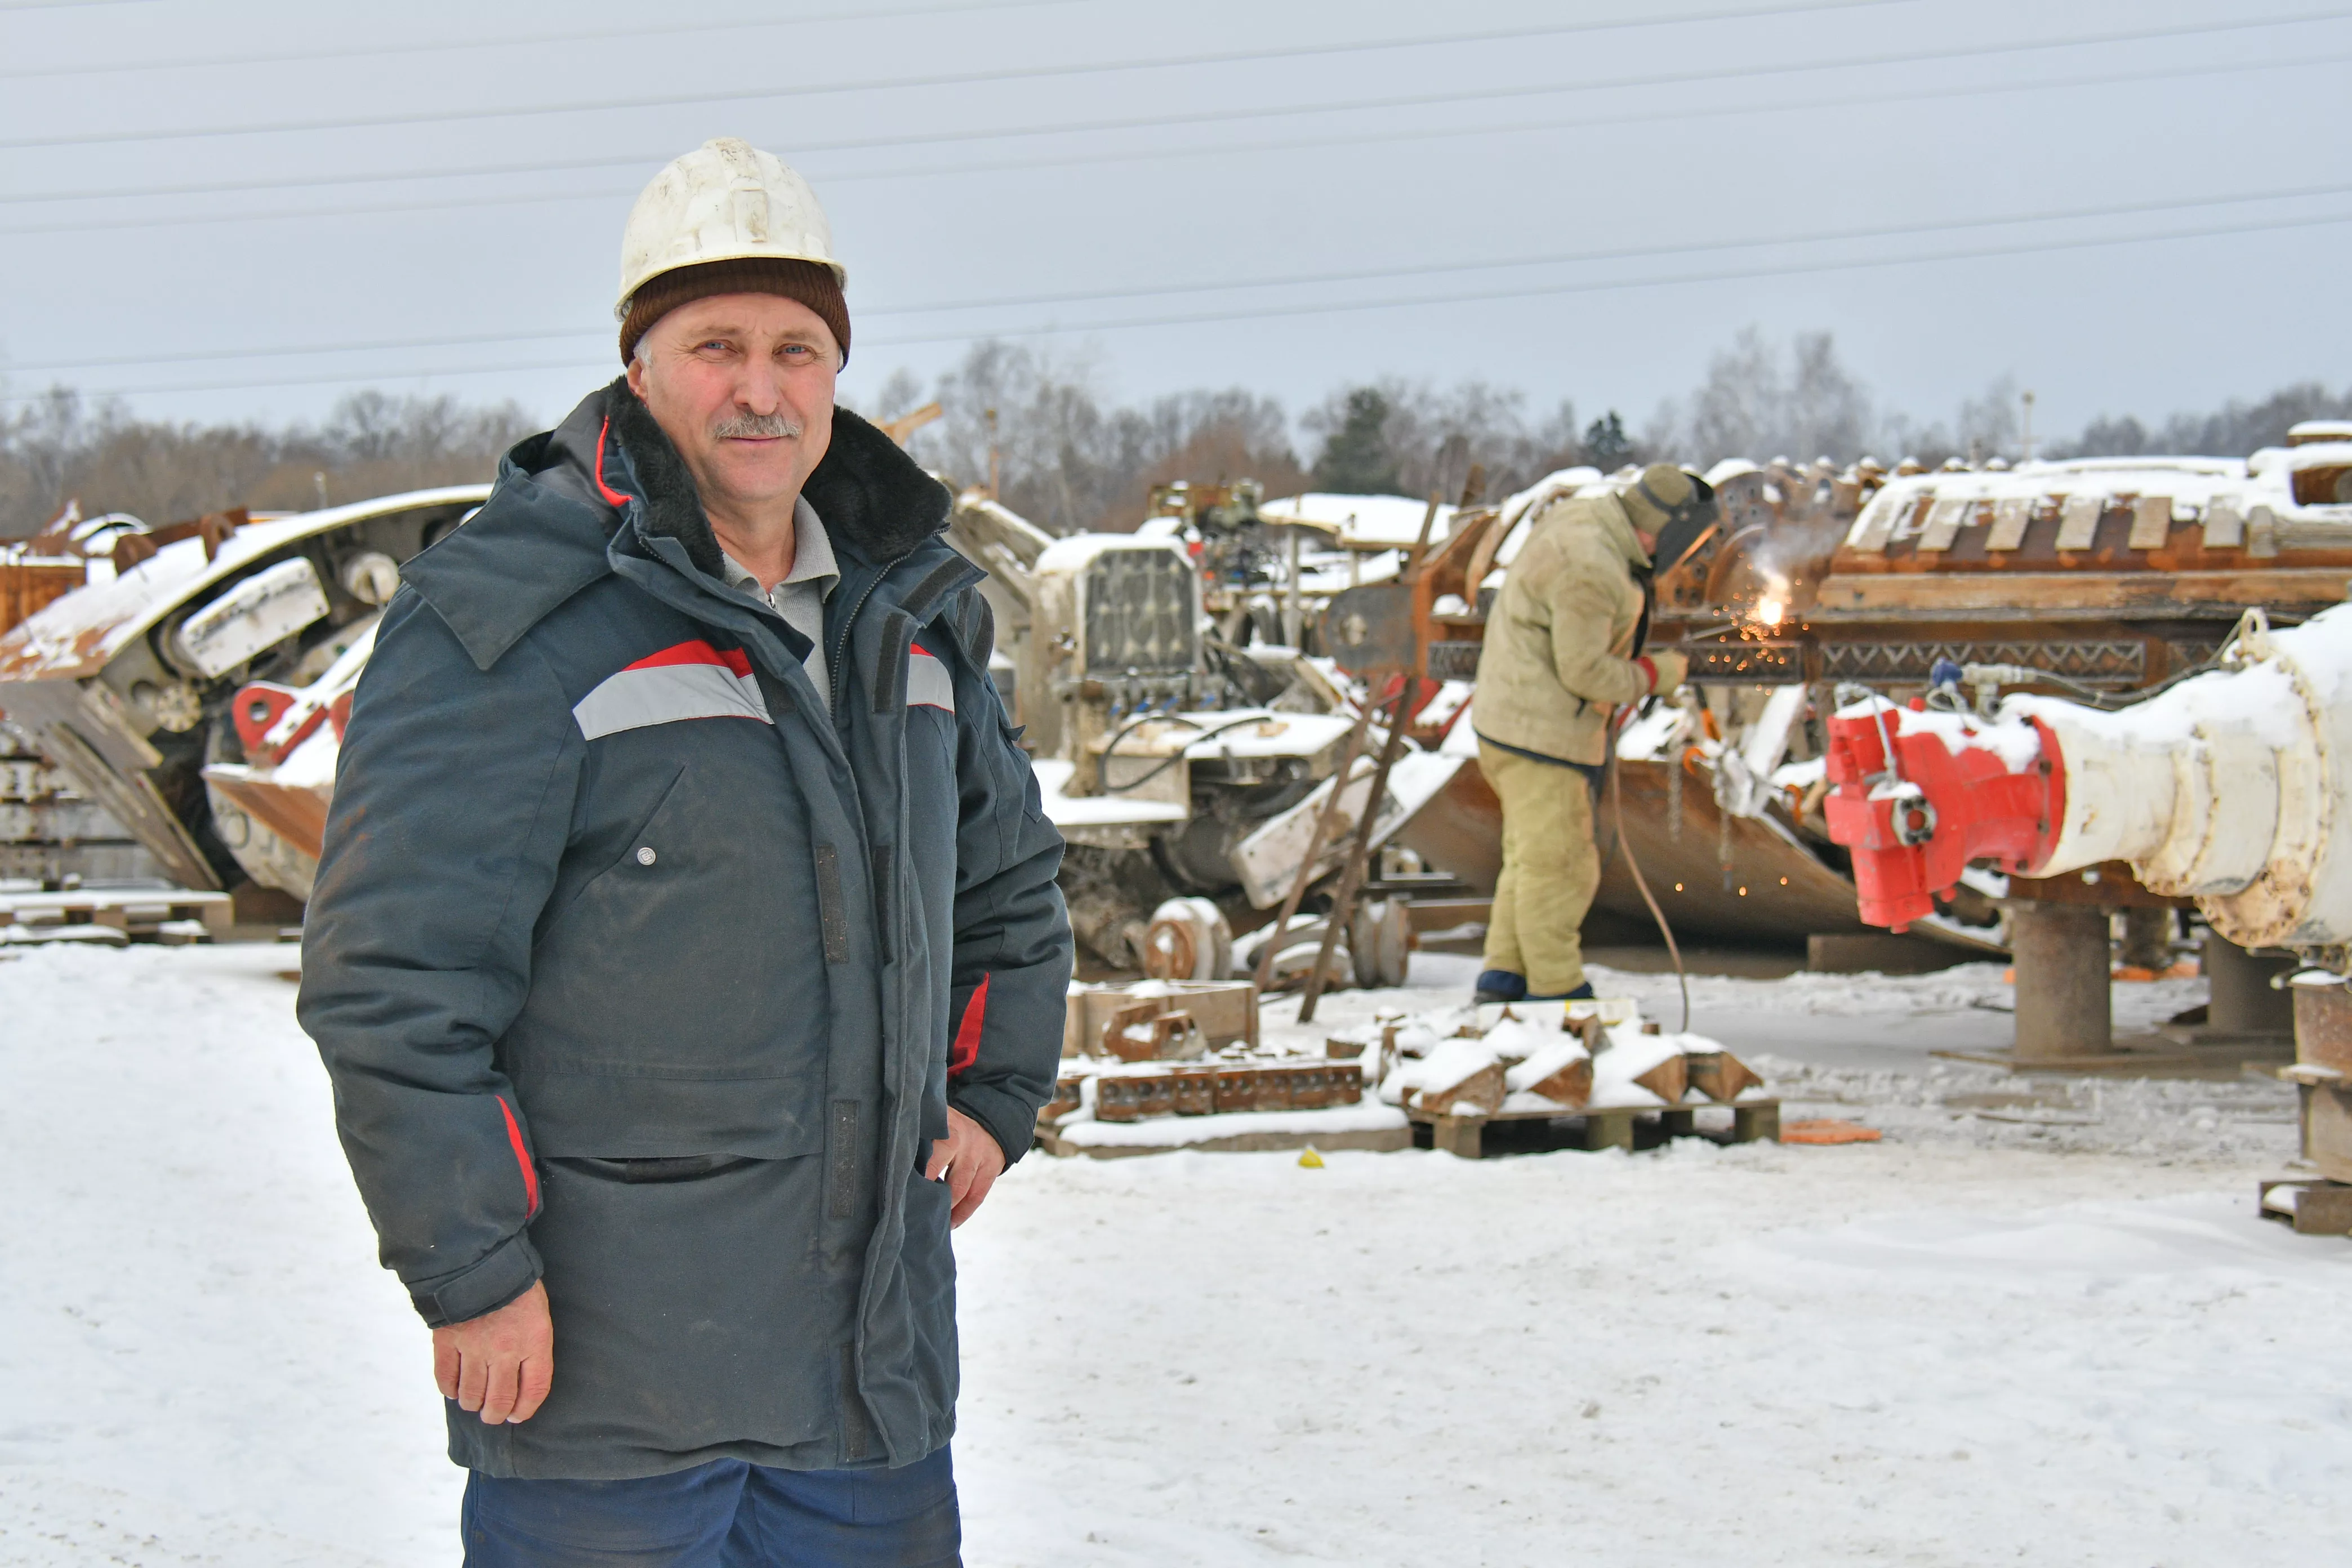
{"type": "Point", "coordinates": [1550, 870]}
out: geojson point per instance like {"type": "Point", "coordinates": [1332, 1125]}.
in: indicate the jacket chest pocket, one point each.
{"type": "Point", "coordinates": [679, 1002]}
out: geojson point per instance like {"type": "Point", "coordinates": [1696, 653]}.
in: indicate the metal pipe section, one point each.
{"type": "Point", "coordinates": [2228, 788]}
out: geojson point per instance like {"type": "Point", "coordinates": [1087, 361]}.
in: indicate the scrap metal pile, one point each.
{"type": "Point", "coordinates": [50, 833]}
{"type": "Point", "coordinates": [2097, 578]}
{"type": "Point", "coordinates": [2233, 787]}
{"type": "Point", "coordinates": [1187, 761]}
{"type": "Point", "coordinates": [1209, 701]}
{"type": "Point", "coordinates": [148, 689]}
{"type": "Point", "coordinates": [1188, 1056]}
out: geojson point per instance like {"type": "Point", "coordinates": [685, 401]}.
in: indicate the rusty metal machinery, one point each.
{"type": "Point", "coordinates": [201, 696]}
{"type": "Point", "coordinates": [1219, 1089]}
{"type": "Point", "coordinates": [49, 832]}
{"type": "Point", "coordinates": [128, 685]}
{"type": "Point", "coordinates": [2091, 578]}
{"type": "Point", "coordinates": [1186, 771]}
{"type": "Point", "coordinates": [2231, 788]}
{"type": "Point", "coordinates": [1731, 857]}
{"type": "Point", "coordinates": [2234, 788]}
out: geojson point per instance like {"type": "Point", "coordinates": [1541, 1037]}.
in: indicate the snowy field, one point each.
{"type": "Point", "coordinates": [2040, 1324]}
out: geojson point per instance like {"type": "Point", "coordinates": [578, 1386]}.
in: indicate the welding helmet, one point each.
{"type": "Point", "coordinates": [1674, 504]}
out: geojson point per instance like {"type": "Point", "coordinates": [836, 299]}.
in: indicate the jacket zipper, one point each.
{"type": "Point", "coordinates": [841, 650]}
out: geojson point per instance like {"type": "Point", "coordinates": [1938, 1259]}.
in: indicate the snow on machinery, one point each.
{"type": "Point", "coordinates": [49, 833]}
{"type": "Point", "coordinates": [131, 685]}
{"type": "Point", "coordinates": [2228, 787]}
{"type": "Point", "coordinates": [1187, 769]}
{"type": "Point", "coordinates": [1180, 793]}
{"type": "Point", "coordinates": [2103, 576]}
{"type": "Point", "coordinates": [2233, 787]}
{"type": "Point", "coordinates": [1722, 842]}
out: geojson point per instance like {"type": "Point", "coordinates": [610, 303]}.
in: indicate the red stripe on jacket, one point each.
{"type": "Point", "coordinates": [966, 1050]}
{"type": "Point", "coordinates": [521, 1155]}
{"type": "Point", "coordinates": [611, 496]}
{"type": "Point", "coordinates": [697, 652]}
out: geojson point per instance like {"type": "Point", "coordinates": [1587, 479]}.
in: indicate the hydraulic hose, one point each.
{"type": "Point", "coordinates": [1617, 809]}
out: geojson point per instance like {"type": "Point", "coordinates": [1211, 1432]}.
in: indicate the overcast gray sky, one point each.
{"type": "Point", "coordinates": [2133, 207]}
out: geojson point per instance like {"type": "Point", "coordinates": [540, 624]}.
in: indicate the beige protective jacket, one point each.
{"type": "Point", "coordinates": [1560, 641]}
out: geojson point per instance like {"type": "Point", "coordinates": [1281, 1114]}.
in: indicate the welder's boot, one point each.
{"type": "Point", "coordinates": [1500, 985]}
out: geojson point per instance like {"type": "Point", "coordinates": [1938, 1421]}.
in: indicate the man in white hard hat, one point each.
{"type": "Point", "coordinates": [686, 953]}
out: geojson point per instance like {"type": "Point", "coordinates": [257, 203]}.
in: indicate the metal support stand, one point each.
{"type": "Point", "coordinates": [2147, 937]}
{"type": "Point", "coordinates": [2063, 1010]}
{"type": "Point", "coordinates": [2240, 1001]}
{"type": "Point", "coordinates": [1376, 674]}
{"type": "Point", "coordinates": [1324, 821]}
{"type": "Point", "coordinates": [1351, 869]}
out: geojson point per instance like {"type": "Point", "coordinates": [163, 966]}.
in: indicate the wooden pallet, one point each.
{"type": "Point", "coordinates": [2317, 1207]}
{"type": "Point", "coordinates": [137, 912]}
{"type": "Point", "coordinates": [1612, 1127]}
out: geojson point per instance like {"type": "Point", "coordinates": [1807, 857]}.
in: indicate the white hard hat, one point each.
{"type": "Point", "coordinates": [725, 201]}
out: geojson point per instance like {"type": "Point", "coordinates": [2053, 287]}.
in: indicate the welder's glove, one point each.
{"type": "Point", "coordinates": [1667, 668]}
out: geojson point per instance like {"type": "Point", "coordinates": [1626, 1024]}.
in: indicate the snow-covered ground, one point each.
{"type": "Point", "coordinates": [2040, 1324]}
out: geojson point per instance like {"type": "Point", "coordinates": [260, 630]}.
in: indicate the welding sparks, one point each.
{"type": "Point", "coordinates": [1769, 611]}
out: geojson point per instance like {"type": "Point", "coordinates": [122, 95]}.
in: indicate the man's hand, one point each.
{"type": "Point", "coordinates": [501, 1363]}
{"type": "Point", "coordinates": [971, 1159]}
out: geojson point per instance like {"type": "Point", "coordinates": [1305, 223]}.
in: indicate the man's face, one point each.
{"type": "Point", "coordinates": [742, 384]}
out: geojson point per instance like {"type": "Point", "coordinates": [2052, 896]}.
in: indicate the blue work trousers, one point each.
{"type": "Point", "coordinates": [726, 1514]}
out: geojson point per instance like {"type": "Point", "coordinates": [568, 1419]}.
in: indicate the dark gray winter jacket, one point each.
{"type": "Point", "coordinates": [636, 970]}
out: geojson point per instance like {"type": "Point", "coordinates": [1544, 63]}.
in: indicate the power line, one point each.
{"type": "Point", "coordinates": [1587, 122]}
{"type": "Point", "coordinates": [1878, 61]}
{"type": "Point", "coordinates": [947, 78]}
{"type": "Point", "coordinates": [1729, 275]}
{"type": "Point", "coordinates": [1629, 253]}
{"type": "Point", "coordinates": [1326, 307]}
{"type": "Point", "coordinates": [513, 41]}
{"type": "Point", "coordinates": [1844, 101]}
{"type": "Point", "coordinates": [1281, 280]}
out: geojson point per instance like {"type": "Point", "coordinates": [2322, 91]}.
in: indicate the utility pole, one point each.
{"type": "Point", "coordinates": [2028, 398]}
{"type": "Point", "coordinates": [1294, 611]}
{"type": "Point", "coordinates": [992, 463]}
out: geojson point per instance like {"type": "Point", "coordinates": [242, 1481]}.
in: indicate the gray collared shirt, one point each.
{"type": "Point", "coordinates": [800, 597]}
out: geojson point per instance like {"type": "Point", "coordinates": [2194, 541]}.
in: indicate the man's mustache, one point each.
{"type": "Point", "coordinates": [747, 426]}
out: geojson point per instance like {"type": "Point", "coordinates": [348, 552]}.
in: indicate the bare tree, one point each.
{"type": "Point", "coordinates": [59, 448]}
{"type": "Point", "coordinates": [1988, 424]}
{"type": "Point", "coordinates": [1069, 462]}
{"type": "Point", "coordinates": [1760, 400]}
{"type": "Point", "coordinates": [2236, 430]}
{"type": "Point", "coordinates": [1829, 409]}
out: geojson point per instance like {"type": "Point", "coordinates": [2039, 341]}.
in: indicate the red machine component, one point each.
{"type": "Point", "coordinates": [1914, 826]}
{"type": "Point", "coordinates": [272, 720]}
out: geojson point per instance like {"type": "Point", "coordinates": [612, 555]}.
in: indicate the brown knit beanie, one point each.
{"type": "Point", "coordinates": [810, 283]}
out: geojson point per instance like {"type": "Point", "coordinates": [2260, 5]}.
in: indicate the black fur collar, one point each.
{"type": "Point", "coordinates": [875, 501]}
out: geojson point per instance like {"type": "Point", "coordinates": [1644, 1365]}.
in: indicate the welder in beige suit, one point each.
{"type": "Point", "coordinates": [1563, 654]}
